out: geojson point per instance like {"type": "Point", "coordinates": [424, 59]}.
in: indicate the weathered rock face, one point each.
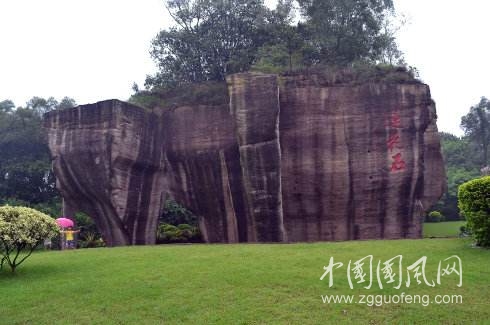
{"type": "Point", "coordinates": [357, 162]}
{"type": "Point", "coordinates": [108, 161]}
{"type": "Point", "coordinates": [289, 159]}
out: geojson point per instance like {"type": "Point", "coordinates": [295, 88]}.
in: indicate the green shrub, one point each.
{"type": "Point", "coordinates": [182, 233]}
{"type": "Point", "coordinates": [21, 231]}
{"type": "Point", "coordinates": [186, 230]}
{"type": "Point", "coordinates": [191, 94]}
{"type": "Point", "coordinates": [88, 231]}
{"type": "Point", "coordinates": [91, 240]}
{"type": "Point", "coordinates": [168, 233]}
{"type": "Point", "coordinates": [176, 214]}
{"type": "Point", "coordinates": [434, 216]}
{"type": "Point", "coordinates": [474, 204]}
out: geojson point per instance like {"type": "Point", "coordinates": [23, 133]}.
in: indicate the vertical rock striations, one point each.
{"type": "Point", "coordinates": [296, 158]}
{"type": "Point", "coordinates": [254, 106]}
{"type": "Point", "coordinates": [358, 161]}
{"type": "Point", "coordinates": [108, 160]}
{"type": "Point", "coordinates": [203, 169]}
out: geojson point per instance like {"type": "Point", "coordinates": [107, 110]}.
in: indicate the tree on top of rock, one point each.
{"type": "Point", "coordinates": [210, 40]}
{"type": "Point", "coordinates": [215, 38]}
{"type": "Point", "coordinates": [344, 31]}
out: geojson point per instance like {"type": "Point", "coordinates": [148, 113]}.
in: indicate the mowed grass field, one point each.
{"type": "Point", "coordinates": [442, 229]}
{"type": "Point", "coordinates": [236, 284]}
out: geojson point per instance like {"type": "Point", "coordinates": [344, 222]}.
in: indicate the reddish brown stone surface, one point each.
{"type": "Point", "coordinates": [288, 159]}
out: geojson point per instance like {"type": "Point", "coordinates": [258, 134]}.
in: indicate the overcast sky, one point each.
{"type": "Point", "coordinates": [95, 49]}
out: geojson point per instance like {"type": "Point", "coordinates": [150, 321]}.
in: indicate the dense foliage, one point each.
{"type": "Point", "coordinates": [210, 40]}
{"type": "Point", "coordinates": [466, 158]}
{"type": "Point", "coordinates": [344, 31]}
{"type": "Point", "coordinates": [25, 163]}
{"type": "Point", "coordinates": [177, 225]}
{"type": "Point", "coordinates": [474, 203]}
{"type": "Point", "coordinates": [175, 214]}
{"type": "Point", "coordinates": [182, 233]}
{"type": "Point", "coordinates": [21, 231]}
{"type": "Point", "coordinates": [461, 158]}
{"type": "Point", "coordinates": [204, 93]}
{"type": "Point", "coordinates": [214, 38]}
{"type": "Point", "coordinates": [476, 125]}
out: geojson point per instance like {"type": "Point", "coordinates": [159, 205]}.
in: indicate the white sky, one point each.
{"type": "Point", "coordinates": [95, 49]}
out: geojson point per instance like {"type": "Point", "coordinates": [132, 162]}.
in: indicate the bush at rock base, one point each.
{"type": "Point", "coordinates": [182, 233]}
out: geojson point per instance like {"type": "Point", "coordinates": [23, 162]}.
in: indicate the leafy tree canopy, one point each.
{"type": "Point", "coordinates": [214, 38]}
{"type": "Point", "coordinates": [343, 31]}
{"type": "Point", "coordinates": [210, 40]}
{"type": "Point", "coordinates": [6, 106]}
{"type": "Point", "coordinates": [462, 164]}
{"type": "Point", "coordinates": [25, 163]}
{"type": "Point", "coordinates": [476, 125]}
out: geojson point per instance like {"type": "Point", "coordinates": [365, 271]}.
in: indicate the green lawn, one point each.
{"type": "Point", "coordinates": [442, 229]}
{"type": "Point", "coordinates": [235, 284]}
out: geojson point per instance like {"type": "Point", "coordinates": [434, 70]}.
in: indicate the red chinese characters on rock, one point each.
{"type": "Point", "coordinates": [393, 144]}
{"type": "Point", "coordinates": [398, 163]}
{"type": "Point", "coordinates": [394, 121]}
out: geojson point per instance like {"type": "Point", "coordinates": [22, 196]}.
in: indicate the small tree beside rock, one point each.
{"type": "Point", "coordinates": [21, 231]}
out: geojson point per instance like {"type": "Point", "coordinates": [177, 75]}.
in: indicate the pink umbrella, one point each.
{"type": "Point", "coordinates": [65, 222]}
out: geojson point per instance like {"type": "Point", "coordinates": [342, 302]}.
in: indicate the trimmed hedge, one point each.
{"type": "Point", "coordinates": [434, 216]}
{"type": "Point", "coordinates": [474, 204]}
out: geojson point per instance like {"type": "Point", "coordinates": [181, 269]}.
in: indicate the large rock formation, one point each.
{"type": "Point", "coordinates": [288, 159]}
